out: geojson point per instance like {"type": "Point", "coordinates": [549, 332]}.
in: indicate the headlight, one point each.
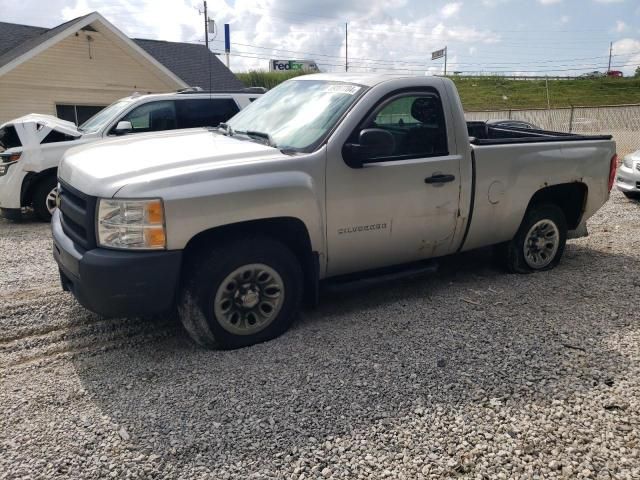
{"type": "Point", "coordinates": [627, 162]}
{"type": "Point", "coordinates": [131, 224]}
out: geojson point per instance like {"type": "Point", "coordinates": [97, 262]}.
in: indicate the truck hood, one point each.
{"type": "Point", "coordinates": [104, 167]}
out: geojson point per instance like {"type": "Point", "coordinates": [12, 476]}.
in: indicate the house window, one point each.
{"type": "Point", "coordinates": [77, 114]}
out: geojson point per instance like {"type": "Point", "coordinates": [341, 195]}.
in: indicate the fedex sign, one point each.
{"type": "Point", "coordinates": [293, 65]}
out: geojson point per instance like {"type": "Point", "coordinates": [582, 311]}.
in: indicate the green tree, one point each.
{"type": "Point", "coordinates": [637, 75]}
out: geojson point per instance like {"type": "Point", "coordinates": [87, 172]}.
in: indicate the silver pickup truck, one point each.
{"type": "Point", "coordinates": [324, 178]}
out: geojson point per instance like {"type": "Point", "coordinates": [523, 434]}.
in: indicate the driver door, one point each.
{"type": "Point", "coordinates": [400, 206]}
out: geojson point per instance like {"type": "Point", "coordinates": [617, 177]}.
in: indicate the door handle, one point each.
{"type": "Point", "coordinates": [440, 178]}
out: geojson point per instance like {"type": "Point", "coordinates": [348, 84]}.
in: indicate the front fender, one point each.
{"type": "Point", "coordinates": [288, 189]}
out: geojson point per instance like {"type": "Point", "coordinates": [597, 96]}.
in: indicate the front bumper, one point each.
{"type": "Point", "coordinates": [116, 283]}
{"type": "Point", "coordinates": [628, 179]}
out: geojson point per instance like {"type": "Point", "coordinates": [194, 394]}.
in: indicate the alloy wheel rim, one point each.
{"type": "Point", "coordinates": [249, 299]}
{"type": "Point", "coordinates": [50, 201]}
{"type": "Point", "coordinates": [541, 244]}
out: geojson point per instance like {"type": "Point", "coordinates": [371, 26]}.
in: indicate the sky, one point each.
{"type": "Point", "coordinates": [515, 37]}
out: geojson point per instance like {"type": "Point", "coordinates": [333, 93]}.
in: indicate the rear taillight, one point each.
{"type": "Point", "coordinates": [612, 170]}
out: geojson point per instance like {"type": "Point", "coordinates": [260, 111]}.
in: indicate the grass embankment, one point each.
{"type": "Point", "coordinates": [493, 93]}
{"type": "Point", "coordinates": [255, 78]}
{"type": "Point", "coordinates": [499, 93]}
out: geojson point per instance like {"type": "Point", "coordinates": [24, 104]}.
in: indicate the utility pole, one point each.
{"type": "Point", "coordinates": [546, 81]}
{"type": "Point", "coordinates": [206, 41]}
{"type": "Point", "coordinates": [610, 52]}
{"type": "Point", "coordinates": [346, 46]}
{"type": "Point", "coordinates": [445, 61]}
{"type": "Point", "coordinates": [206, 26]}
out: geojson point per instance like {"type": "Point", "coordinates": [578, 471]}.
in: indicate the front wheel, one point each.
{"type": "Point", "coordinates": [240, 293]}
{"type": "Point", "coordinates": [539, 242]}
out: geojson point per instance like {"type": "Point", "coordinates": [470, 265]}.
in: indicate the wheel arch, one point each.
{"type": "Point", "coordinates": [291, 231]}
{"type": "Point", "coordinates": [571, 198]}
{"type": "Point", "coordinates": [31, 180]}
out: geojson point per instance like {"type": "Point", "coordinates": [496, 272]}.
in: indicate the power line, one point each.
{"type": "Point", "coordinates": [417, 63]}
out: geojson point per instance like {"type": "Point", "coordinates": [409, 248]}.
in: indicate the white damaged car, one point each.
{"type": "Point", "coordinates": [31, 146]}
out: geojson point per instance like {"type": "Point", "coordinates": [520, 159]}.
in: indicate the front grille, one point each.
{"type": "Point", "coordinates": [638, 166]}
{"type": "Point", "coordinates": [78, 215]}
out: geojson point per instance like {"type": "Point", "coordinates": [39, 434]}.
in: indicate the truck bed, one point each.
{"type": "Point", "coordinates": [480, 133]}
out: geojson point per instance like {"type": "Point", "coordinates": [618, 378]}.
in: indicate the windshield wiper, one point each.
{"type": "Point", "coordinates": [227, 129]}
{"type": "Point", "coordinates": [261, 136]}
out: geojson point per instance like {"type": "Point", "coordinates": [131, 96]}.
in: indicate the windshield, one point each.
{"type": "Point", "coordinates": [298, 113]}
{"type": "Point", "coordinates": [96, 122]}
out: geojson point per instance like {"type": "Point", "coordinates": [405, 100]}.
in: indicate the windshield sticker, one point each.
{"type": "Point", "coordinates": [341, 88]}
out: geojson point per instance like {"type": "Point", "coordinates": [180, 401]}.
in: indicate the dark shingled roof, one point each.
{"type": "Point", "coordinates": [19, 39]}
{"type": "Point", "coordinates": [190, 62]}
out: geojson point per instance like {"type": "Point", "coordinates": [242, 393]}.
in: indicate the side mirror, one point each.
{"type": "Point", "coordinates": [372, 143]}
{"type": "Point", "coordinates": [123, 127]}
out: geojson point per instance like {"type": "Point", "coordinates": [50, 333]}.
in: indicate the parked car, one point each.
{"type": "Point", "coordinates": [615, 74]}
{"type": "Point", "coordinates": [594, 74]}
{"type": "Point", "coordinates": [327, 177]}
{"type": "Point", "coordinates": [34, 144]}
{"type": "Point", "coordinates": [628, 177]}
{"type": "Point", "coordinates": [513, 124]}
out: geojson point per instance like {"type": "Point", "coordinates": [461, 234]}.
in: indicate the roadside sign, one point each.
{"type": "Point", "coordinates": [289, 65]}
{"type": "Point", "coordinates": [438, 54]}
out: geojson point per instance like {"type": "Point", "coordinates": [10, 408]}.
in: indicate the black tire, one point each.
{"type": "Point", "coordinates": [208, 268]}
{"type": "Point", "coordinates": [40, 197]}
{"type": "Point", "coordinates": [514, 251]}
{"type": "Point", "coordinates": [632, 195]}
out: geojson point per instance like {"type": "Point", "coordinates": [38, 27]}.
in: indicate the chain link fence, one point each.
{"type": "Point", "coordinates": [621, 121]}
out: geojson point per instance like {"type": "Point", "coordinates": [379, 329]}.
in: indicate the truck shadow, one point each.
{"type": "Point", "coordinates": [466, 335]}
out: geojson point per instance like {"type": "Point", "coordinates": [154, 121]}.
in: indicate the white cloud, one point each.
{"type": "Point", "coordinates": [301, 29]}
{"type": "Point", "coordinates": [565, 19]}
{"type": "Point", "coordinates": [450, 9]}
{"type": "Point", "coordinates": [493, 3]}
{"type": "Point", "coordinates": [608, 1]}
{"type": "Point", "coordinates": [627, 46]}
{"type": "Point", "coordinates": [621, 26]}
{"type": "Point", "coordinates": [548, 2]}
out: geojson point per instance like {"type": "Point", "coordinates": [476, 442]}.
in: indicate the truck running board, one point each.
{"type": "Point", "coordinates": [371, 278]}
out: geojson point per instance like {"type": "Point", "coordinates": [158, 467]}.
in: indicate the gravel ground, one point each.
{"type": "Point", "coordinates": [466, 373]}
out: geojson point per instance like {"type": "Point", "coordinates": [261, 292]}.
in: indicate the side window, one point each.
{"type": "Point", "coordinates": [55, 136]}
{"type": "Point", "coordinates": [152, 117]}
{"type": "Point", "coordinates": [416, 122]}
{"type": "Point", "coordinates": [205, 112]}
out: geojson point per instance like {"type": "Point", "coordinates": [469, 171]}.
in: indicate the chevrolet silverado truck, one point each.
{"type": "Point", "coordinates": [325, 178]}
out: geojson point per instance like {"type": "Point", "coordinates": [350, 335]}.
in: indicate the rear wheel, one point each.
{"type": "Point", "coordinates": [539, 242]}
{"type": "Point", "coordinates": [240, 293]}
{"type": "Point", "coordinates": [44, 198]}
